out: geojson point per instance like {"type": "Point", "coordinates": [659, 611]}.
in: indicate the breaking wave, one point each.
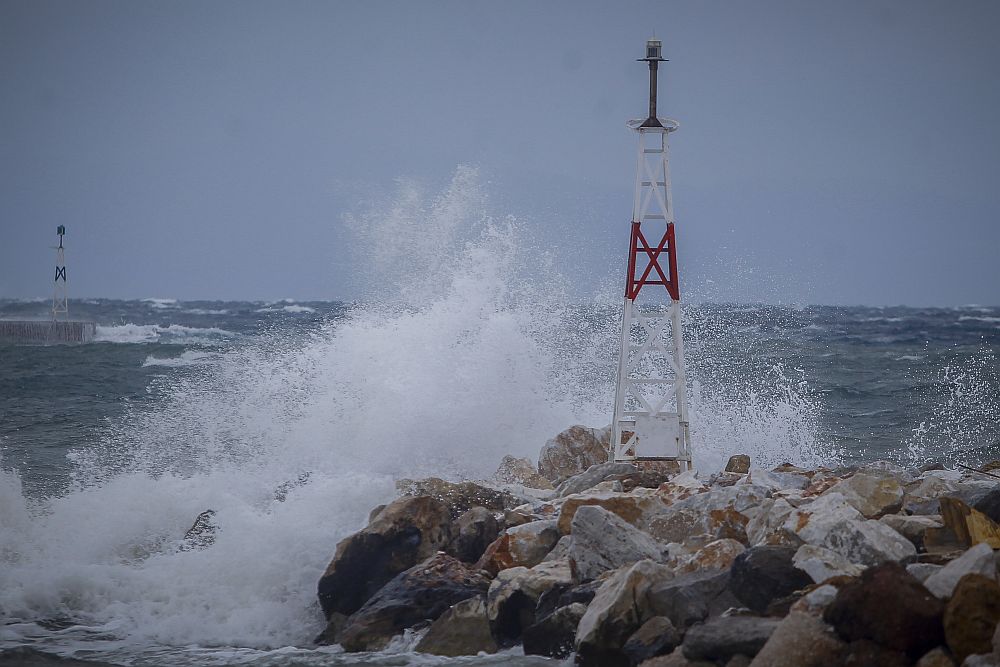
{"type": "Point", "coordinates": [470, 354]}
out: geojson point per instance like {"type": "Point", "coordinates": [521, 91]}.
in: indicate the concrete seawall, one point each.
{"type": "Point", "coordinates": [42, 331]}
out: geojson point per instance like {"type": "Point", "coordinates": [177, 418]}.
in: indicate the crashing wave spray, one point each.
{"type": "Point", "coordinates": [456, 363]}
{"type": "Point", "coordinates": [965, 420]}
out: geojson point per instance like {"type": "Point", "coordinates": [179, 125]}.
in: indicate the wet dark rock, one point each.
{"type": "Point", "coordinates": [691, 598]}
{"type": "Point", "coordinates": [375, 512]}
{"type": "Point", "coordinates": [657, 636]}
{"type": "Point", "coordinates": [563, 595]}
{"type": "Point", "coordinates": [512, 518]}
{"type": "Point", "coordinates": [472, 533]}
{"type": "Point", "coordinates": [202, 533]}
{"type": "Point", "coordinates": [738, 463]}
{"type": "Point", "coordinates": [420, 594]}
{"type": "Point", "coordinates": [514, 594]}
{"type": "Point", "coordinates": [622, 604]}
{"type": "Point", "coordinates": [763, 574]}
{"type": "Point", "coordinates": [971, 616]}
{"type": "Point", "coordinates": [520, 546]}
{"type": "Point", "coordinates": [721, 638]}
{"type": "Point", "coordinates": [938, 657]}
{"type": "Point", "coordinates": [462, 630]}
{"type": "Point", "coordinates": [989, 505]}
{"type": "Point", "coordinates": [891, 607]}
{"type": "Point", "coordinates": [866, 653]}
{"type": "Point", "coordinates": [801, 640]}
{"type": "Point", "coordinates": [553, 635]}
{"type": "Point", "coordinates": [460, 497]}
{"type": "Point", "coordinates": [335, 623]}
{"type": "Point", "coordinates": [405, 533]}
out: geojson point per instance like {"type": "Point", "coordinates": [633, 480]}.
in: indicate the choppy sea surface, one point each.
{"type": "Point", "coordinates": [110, 449]}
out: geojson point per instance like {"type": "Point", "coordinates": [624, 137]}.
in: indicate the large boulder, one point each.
{"type": "Point", "coordinates": [867, 652]}
{"type": "Point", "coordinates": [938, 657]}
{"type": "Point", "coordinates": [778, 481]}
{"type": "Point", "coordinates": [888, 606]}
{"type": "Point", "coordinates": [872, 495]}
{"type": "Point", "coordinates": [460, 497]}
{"type": "Point", "coordinates": [738, 463]}
{"type": "Point", "coordinates": [514, 594]}
{"type": "Point", "coordinates": [801, 640]}
{"type": "Point", "coordinates": [513, 470]}
{"type": "Point", "coordinates": [620, 607]}
{"type": "Point", "coordinates": [462, 630]}
{"type": "Point", "coordinates": [717, 513]}
{"type": "Point", "coordinates": [657, 636]}
{"type": "Point", "coordinates": [403, 534]}
{"type": "Point", "coordinates": [521, 546]}
{"type": "Point", "coordinates": [472, 532]}
{"type": "Point", "coordinates": [989, 505]}
{"type": "Point", "coordinates": [602, 541]}
{"type": "Point", "coordinates": [813, 521]}
{"type": "Point", "coordinates": [766, 524]}
{"type": "Point", "coordinates": [867, 542]}
{"type": "Point", "coordinates": [637, 507]}
{"type": "Point", "coordinates": [921, 496]}
{"type": "Point", "coordinates": [721, 638]}
{"type": "Point", "coordinates": [969, 525]}
{"type": "Point", "coordinates": [912, 527]}
{"type": "Point", "coordinates": [687, 599]}
{"type": "Point", "coordinates": [716, 555]}
{"type": "Point", "coordinates": [971, 616]}
{"type": "Point", "coordinates": [761, 575]}
{"type": "Point", "coordinates": [593, 476]}
{"type": "Point", "coordinates": [821, 563]}
{"type": "Point", "coordinates": [419, 594]}
{"type": "Point", "coordinates": [573, 451]}
{"type": "Point", "coordinates": [553, 635]}
{"type": "Point", "coordinates": [980, 559]}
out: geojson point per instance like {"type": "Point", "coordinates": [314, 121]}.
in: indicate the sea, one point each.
{"type": "Point", "coordinates": [292, 419]}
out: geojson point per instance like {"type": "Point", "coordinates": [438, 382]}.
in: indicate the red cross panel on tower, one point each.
{"type": "Point", "coordinates": [652, 265]}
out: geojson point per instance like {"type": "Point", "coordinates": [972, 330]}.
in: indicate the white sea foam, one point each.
{"type": "Point", "coordinates": [161, 304]}
{"type": "Point", "coordinates": [154, 333]}
{"type": "Point", "coordinates": [294, 309]}
{"type": "Point", "coordinates": [467, 357]}
{"type": "Point", "coordinates": [186, 358]}
{"type": "Point", "coordinates": [205, 311]}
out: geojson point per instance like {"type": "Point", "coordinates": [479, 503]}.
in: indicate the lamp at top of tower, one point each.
{"type": "Point", "coordinates": [654, 50]}
{"type": "Point", "coordinates": [654, 47]}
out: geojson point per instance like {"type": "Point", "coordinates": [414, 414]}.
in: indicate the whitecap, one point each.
{"type": "Point", "coordinates": [154, 333]}
{"type": "Point", "coordinates": [187, 358]}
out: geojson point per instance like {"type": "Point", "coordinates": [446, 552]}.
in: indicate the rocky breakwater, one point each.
{"type": "Point", "coordinates": [617, 565]}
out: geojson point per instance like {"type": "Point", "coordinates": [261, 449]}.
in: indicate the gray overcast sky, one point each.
{"type": "Point", "coordinates": [830, 152]}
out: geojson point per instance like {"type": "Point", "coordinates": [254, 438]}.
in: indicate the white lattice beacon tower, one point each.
{"type": "Point", "coordinates": [60, 294]}
{"type": "Point", "coordinates": [651, 417]}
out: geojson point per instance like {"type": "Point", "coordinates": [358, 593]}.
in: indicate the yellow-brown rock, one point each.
{"type": "Point", "coordinates": [636, 507]}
